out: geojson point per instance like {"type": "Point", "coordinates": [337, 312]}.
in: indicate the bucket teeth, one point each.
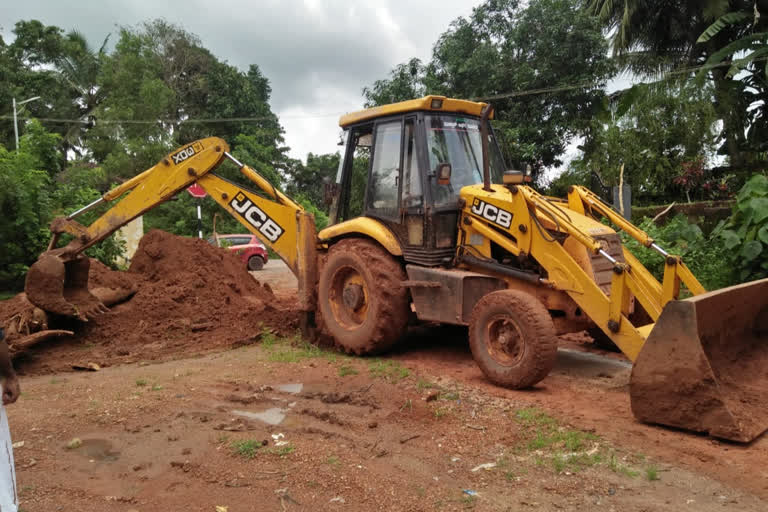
{"type": "Point", "coordinates": [704, 367]}
{"type": "Point", "coordinates": [61, 288]}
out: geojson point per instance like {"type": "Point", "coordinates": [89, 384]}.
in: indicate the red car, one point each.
{"type": "Point", "coordinates": [250, 249]}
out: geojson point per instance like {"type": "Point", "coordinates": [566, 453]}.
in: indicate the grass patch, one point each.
{"type": "Point", "coordinates": [565, 449]}
{"type": "Point", "coordinates": [569, 440]}
{"type": "Point", "coordinates": [347, 370]}
{"type": "Point", "coordinates": [423, 384]}
{"type": "Point", "coordinates": [439, 412]}
{"type": "Point", "coordinates": [333, 460]}
{"type": "Point", "coordinates": [652, 473]}
{"type": "Point", "coordinates": [559, 463]}
{"type": "Point", "coordinates": [407, 405]}
{"type": "Point", "coordinates": [5, 295]}
{"type": "Point", "coordinates": [282, 451]}
{"type": "Point", "coordinates": [449, 395]}
{"type": "Point", "coordinates": [391, 371]}
{"type": "Point", "coordinates": [157, 387]}
{"type": "Point", "coordinates": [291, 349]}
{"type": "Point", "coordinates": [504, 465]}
{"type": "Point", "coordinates": [246, 448]}
{"type": "Point", "coordinates": [618, 467]}
{"type": "Point", "coordinates": [141, 382]}
{"type": "Point", "coordinates": [533, 417]}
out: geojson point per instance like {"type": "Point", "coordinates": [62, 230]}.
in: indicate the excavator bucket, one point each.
{"type": "Point", "coordinates": [61, 287]}
{"type": "Point", "coordinates": [704, 366]}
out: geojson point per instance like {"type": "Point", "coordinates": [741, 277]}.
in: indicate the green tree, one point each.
{"type": "Point", "coordinates": [405, 82]}
{"type": "Point", "coordinates": [157, 89]}
{"type": "Point", "coordinates": [62, 70]}
{"type": "Point", "coordinates": [652, 133]}
{"type": "Point", "coordinates": [307, 179]}
{"type": "Point", "coordinates": [653, 36]}
{"type": "Point", "coordinates": [31, 195]}
{"type": "Point", "coordinates": [79, 66]}
{"type": "Point", "coordinates": [506, 46]}
{"type": "Point", "coordinates": [26, 208]}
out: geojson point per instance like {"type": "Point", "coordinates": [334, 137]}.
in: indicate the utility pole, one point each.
{"type": "Point", "coordinates": [15, 121]}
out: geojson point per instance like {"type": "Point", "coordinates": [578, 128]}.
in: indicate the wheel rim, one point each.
{"type": "Point", "coordinates": [253, 264]}
{"type": "Point", "coordinates": [504, 340]}
{"type": "Point", "coordinates": [348, 297]}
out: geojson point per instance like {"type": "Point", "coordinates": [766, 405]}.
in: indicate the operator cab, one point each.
{"type": "Point", "coordinates": [404, 164]}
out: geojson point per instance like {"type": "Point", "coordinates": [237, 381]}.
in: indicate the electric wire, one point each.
{"type": "Point", "coordinates": [513, 94]}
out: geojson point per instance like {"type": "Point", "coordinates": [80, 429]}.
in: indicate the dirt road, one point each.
{"type": "Point", "coordinates": [280, 425]}
{"type": "Point", "coordinates": [337, 434]}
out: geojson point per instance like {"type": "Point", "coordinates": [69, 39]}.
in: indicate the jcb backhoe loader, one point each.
{"type": "Point", "coordinates": [439, 232]}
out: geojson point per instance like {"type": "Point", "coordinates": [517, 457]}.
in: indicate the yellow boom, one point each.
{"type": "Point", "coordinates": [58, 281]}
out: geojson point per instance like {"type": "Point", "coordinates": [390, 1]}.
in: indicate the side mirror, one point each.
{"type": "Point", "coordinates": [444, 173]}
{"type": "Point", "coordinates": [330, 191]}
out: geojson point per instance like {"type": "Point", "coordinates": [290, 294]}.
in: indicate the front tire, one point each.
{"type": "Point", "coordinates": [255, 263]}
{"type": "Point", "coordinates": [361, 300]}
{"type": "Point", "coordinates": [512, 338]}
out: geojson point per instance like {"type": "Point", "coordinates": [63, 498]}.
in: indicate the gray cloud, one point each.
{"type": "Point", "coordinates": [317, 54]}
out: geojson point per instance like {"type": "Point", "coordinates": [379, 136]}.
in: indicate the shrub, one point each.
{"type": "Point", "coordinates": [745, 234]}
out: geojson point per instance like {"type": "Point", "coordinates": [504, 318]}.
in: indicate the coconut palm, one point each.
{"type": "Point", "coordinates": [78, 67]}
{"type": "Point", "coordinates": [650, 37]}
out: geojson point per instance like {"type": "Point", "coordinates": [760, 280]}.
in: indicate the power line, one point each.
{"type": "Point", "coordinates": [171, 121]}
{"type": "Point", "coordinates": [666, 76]}
{"type": "Point", "coordinates": [513, 94]}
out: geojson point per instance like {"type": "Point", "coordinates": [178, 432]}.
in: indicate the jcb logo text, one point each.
{"type": "Point", "coordinates": [492, 213]}
{"type": "Point", "coordinates": [186, 153]}
{"type": "Point", "coordinates": [256, 218]}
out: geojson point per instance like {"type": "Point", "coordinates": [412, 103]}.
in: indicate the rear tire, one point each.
{"type": "Point", "coordinates": [360, 297]}
{"type": "Point", "coordinates": [512, 338]}
{"type": "Point", "coordinates": [255, 263]}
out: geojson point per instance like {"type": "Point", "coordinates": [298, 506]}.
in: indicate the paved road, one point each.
{"type": "Point", "coordinates": [277, 274]}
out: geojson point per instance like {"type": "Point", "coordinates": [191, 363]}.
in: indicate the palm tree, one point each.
{"type": "Point", "coordinates": [658, 35]}
{"type": "Point", "coordinates": [79, 67]}
{"type": "Point", "coordinates": [651, 37]}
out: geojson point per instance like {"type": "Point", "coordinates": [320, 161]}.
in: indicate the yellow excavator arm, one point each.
{"type": "Point", "coordinates": [57, 282]}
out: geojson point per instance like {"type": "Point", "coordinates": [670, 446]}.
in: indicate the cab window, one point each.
{"type": "Point", "coordinates": [412, 195]}
{"type": "Point", "coordinates": [383, 186]}
{"type": "Point", "coordinates": [457, 140]}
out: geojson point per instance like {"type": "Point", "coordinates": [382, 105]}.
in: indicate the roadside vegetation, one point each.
{"type": "Point", "coordinates": [693, 130]}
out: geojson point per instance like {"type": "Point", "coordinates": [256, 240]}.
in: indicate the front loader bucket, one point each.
{"type": "Point", "coordinates": [704, 366]}
{"type": "Point", "coordinates": [61, 287]}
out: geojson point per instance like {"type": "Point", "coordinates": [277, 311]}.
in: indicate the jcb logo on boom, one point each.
{"type": "Point", "coordinates": [492, 213]}
{"type": "Point", "coordinates": [256, 218]}
{"type": "Point", "coordinates": [186, 153]}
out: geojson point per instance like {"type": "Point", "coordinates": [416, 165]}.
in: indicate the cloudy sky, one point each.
{"type": "Point", "coordinates": [317, 54]}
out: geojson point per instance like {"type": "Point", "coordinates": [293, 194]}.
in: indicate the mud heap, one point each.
{"type": "Point", "coordinates": [190, 297]}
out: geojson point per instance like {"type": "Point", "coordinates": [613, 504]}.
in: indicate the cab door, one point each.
{"type": "Point", "coordinates": [395, 184]}
{"type": "Point", "coordinates": [384, 179]}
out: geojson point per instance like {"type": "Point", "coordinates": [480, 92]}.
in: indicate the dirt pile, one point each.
{"type": "Point", "coordinates": [190, 297]}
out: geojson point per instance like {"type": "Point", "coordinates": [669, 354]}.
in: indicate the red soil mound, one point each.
{"type": "Point", "coordinates": [191, 297]}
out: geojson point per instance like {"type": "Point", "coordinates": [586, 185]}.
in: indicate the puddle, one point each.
{"type": "Point", "coordinates": [273, 416]}
{"type": "Point", "coordinates": [98, 450]}
{"type": "Point", "coordinates": [597, 358]}
{"type": "Point", "coordinates": [290, 388]}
